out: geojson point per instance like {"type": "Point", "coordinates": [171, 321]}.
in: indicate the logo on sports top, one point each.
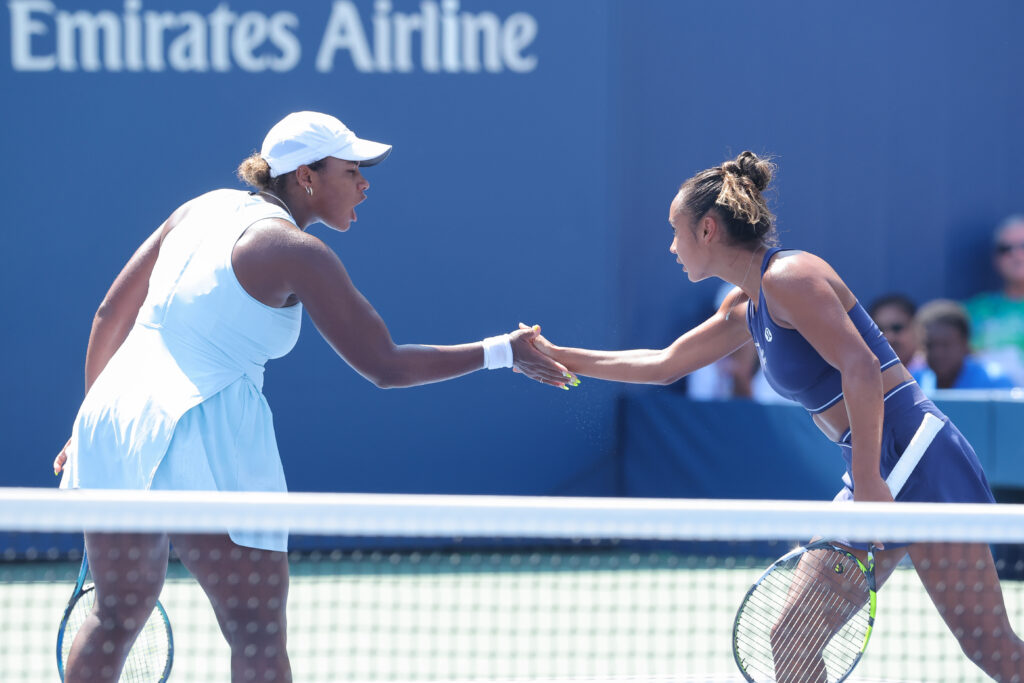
{"type": "Point", "coordinates": [767, 334]}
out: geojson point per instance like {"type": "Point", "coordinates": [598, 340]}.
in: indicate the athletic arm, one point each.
{"type": "Point", "coordinates": [715, 338]}
{"type": "Point", "coordinates": [806, 295]}
{"type": "Point", "coordinates": [117, 312]}
{"type": "Point", "coordinates": [120, 307]}
{"type": "Point", "coordinates": [354, 329]}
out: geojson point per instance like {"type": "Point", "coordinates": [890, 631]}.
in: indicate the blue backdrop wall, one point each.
{"type": "Point", "coordinates": [537, 146]}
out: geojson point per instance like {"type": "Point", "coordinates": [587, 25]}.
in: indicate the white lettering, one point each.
{"type": "Point", "coordinates": [87, 27]}
{"type": "Point", "coordinates": [133, 35]}
{"type": "Point", "coordinates": [405, 25]}
{"type": "Point", "coordinates": [220, 27]}
{"type": "Point", "coordinates": [489, 26]}
{"type": "Point", "coordinates": [519, 31]}
{"type": "Point", "coordinates": [156, 23]}
{"type": "Point", "coordinates": [436, 38]}
{"type": "Point", "coordinates": [450, 35]}
{"type": "Point", "coordinates": [250, 32]}
{"type": "Point", "coordinates": [344, 32]}
{"type": "Point", "coordinates": [382, 35]}
{"type": "Point", "coordinates": [285, 41]}
{"type": "Point", "coordinates": [429, 44]}
{"type": "Point", "coordinates": [187, 52]}
{"type": "Point", "coordinates": [23, 27]}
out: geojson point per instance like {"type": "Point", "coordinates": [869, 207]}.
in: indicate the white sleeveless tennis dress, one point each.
{"type": "Point", "coordinates": [179, 406]}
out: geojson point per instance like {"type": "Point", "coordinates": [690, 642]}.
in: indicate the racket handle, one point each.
{"type": "Point", "coordinates": [923, 438]}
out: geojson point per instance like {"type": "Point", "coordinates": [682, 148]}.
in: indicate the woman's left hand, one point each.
{"type": "Point", "coordinates": [534, 364]}
{"type": "Point", "coordinates": [62, 457]}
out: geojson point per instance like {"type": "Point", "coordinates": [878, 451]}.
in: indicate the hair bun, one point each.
{"type": "Point", "coordinates": [748, 165]}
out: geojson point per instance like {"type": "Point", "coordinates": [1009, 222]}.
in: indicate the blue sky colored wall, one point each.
{"type": "Point", "coordinates": [533, 167]}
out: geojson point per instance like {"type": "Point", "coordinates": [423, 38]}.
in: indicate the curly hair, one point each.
{"type": "Point", "coordinates": [255, 171]}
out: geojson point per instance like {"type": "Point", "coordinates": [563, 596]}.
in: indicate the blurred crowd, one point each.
{"type": "Point", "coordinates": [945, 344]}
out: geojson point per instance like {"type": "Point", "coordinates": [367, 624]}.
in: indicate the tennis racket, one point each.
{"type": "Point", "coordinates": [809, 617]}
{"type": "Point", "coordinates": [149, 660]}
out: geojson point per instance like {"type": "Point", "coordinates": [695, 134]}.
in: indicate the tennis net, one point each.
{"type": "Point", "coordinates": [475, 588]}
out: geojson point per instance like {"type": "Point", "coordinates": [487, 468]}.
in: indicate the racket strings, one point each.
{"type": "Point", "coordinates": [147, 659]}
{"type": "Point", "coordinates": [815, 622]}
{"type": "Point", "coordinates": [780, 654]}
{"type": "Point", "coordinates": [819, 620]}
{"type": "Point", "coordinates": [810, 637]}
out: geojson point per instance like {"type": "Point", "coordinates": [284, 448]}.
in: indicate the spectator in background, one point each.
{"type": "Point", "coordinates": [894, 315]}
{"type": "Point", "coordinates": [997, 318]}
{"type": "Point", "coordinates": [738, 375]}
{"type": "Point", "coordinates": [947, 331]}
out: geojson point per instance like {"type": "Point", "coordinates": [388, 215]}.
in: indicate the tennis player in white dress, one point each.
{"type": "Point", "coordinates": [174, 375]}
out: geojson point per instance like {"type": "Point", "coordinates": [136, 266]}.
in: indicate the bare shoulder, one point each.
{"type": "Point", "coordinates": [280, 265]}
{"type": "Point", "coordinates": [278, 239]}
{"type": "Point", "coordinates": [797, 278]}
{"type": "Point", "coordinates": [796, 270]}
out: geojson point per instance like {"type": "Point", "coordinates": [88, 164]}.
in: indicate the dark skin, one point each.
{"type": "Point", "coordinates": [280, 265]}
{"type": "Point", "coordinates": [898, 327]}
{"type": "Point", "coordinates": [946, 347]}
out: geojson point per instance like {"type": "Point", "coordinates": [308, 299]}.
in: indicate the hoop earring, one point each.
{"type": "Point", "coordinates": [309, 190]}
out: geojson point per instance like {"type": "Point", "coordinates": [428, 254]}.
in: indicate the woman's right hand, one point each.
{"type": "Point", "coordinates": [532, 362]}
{"type": "Point", "coordinates": [546, 350]}
{"type": "Point", "coordinates": [62, 457]}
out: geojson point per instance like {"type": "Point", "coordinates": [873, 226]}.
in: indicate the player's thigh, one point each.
{"type": "Point", "coordinates": [236, 578]}
{"type": "Point", "coordinates": [128, 570]}
{"type": "Point", "coordinates": [961, 580]}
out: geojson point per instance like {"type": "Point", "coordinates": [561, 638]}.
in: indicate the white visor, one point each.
{"type": "Point", "coordinates": [308, 136]}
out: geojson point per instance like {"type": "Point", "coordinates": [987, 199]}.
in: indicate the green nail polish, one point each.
{"type": "Point", "coordinates": [565, 387]}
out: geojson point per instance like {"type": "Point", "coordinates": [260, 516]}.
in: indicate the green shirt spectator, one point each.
{"type": "Point", "coordinates": [997, 318]}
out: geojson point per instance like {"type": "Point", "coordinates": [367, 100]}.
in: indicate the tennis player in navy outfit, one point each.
{"type": "Point", "coordinates": [819, 347]}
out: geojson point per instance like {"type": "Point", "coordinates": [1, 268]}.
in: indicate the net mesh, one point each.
{"type": "Point", "coordinates": [411, 588]}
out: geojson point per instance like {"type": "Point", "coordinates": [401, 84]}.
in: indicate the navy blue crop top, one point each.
{"type": "Point", "coordinates": [791, 365]}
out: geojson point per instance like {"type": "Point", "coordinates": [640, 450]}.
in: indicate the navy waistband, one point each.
{"type": "Point", "coordinates": [839, 397]}
{"type": "Point", "coordinates": [900, 396]}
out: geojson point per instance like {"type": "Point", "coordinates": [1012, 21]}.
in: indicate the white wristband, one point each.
{"type": "Point", "coordinates": [497, 352]}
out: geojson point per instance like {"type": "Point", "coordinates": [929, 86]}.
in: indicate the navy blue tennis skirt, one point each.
{"type": "Point", "coordinates": [949, 471]}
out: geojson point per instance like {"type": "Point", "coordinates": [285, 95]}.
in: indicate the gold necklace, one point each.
{"type": "Point", "coordinates": [744, 280]}
{"type": "Point", "coordinates": [749, 263]}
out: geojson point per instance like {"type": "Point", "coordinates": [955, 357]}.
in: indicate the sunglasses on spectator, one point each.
{"type": "Point", "coordinates": [894, 328]}
{"type": "Point", "coordinates": [1004, 248]}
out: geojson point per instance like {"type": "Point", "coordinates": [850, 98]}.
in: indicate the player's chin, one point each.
{"type": "Point", "coordinates": [340, 225]}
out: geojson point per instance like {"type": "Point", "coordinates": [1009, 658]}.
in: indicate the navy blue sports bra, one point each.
{"type": "Point", "coordinates": [791, 365]}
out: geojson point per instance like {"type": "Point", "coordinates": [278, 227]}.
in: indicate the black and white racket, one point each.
{"type": "Point", "coordinates": [808, 618]}
{"type": "Point", "coordinates": [149, 660]}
